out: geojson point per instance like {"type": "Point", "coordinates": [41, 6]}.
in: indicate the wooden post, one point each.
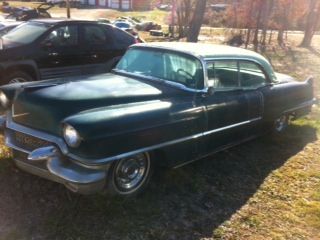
{"type": "Point", "coordinates": [68, 8]}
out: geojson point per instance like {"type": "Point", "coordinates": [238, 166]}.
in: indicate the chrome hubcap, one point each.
{"type": "Point", "coordinates": [281, 123]}
{"type": "Point", "coordinates": [130, 173]}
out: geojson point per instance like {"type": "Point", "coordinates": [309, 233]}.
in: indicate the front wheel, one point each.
{"type": "Point", "coordinates": [129, 176]}
{"type": "Point", "coordinates": [17, 77]}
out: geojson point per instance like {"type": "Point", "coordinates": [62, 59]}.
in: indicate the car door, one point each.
{"type": "Point", "coordinates": [253, 81]}
{"type": "Point", "coordinates": [98, 46]}
{"type": "Point", "coordinates": [227, 108]}
{"type": "Point", "coordinates": [58, 52]}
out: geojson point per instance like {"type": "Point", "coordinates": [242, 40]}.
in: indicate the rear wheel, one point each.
{"type": "Point", "coordinates": [281, 123]}
{"type": "Point", "coordinates": [17, 77]}
{"type": "Point", "coordinates": [129, 176]}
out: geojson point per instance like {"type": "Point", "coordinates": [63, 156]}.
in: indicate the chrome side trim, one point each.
{"type": "Point", "coordinates": [96, 163]}
{"type": "Point", "coordinates": [231, 126]}
{"type": "Point", "coordinates": [302, 105]}
{"type": "Point", "coordinates": [161, 145]}
{"type": "Point", "coordinates": [215, 151]}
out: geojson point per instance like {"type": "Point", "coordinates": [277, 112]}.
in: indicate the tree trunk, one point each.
{"type": "Point", "coordinates": [258, 26]}
{"type": "Point", "coordinates": [311, 24]}
{"type": "Point", "coordinates": [180, 23]}
{"type": "Point", "coordinates": [248, 38]}
{"type": "Point", "coordinates": [264, 24]}
{"type": "Point", "coordinates": [270, 37]}
{"type": "Point", "coordinates": [280, 37]}
{"type": "Point", "coordinates": [195, 25]}
{"type": "Point", "coordinates": [249, 25]}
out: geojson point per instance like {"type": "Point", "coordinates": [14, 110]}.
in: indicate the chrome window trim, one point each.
{"type": "Point", "coordinates": [170, 83]}
{"type": "Point", "coordinates": [160, 80]}
{"type": "Point", "coordinates": [207, 60]}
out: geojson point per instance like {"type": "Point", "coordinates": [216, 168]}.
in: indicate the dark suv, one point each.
{"type": "Point", "coordinates": [52, 48]}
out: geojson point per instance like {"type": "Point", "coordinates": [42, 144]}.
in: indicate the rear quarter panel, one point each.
{"type": "Point", "coordinates": [283, 97]}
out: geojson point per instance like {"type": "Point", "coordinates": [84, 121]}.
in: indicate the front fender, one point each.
{"type": "Point", "coordinates": [24, 65]}
{"type": "Point", "coordinates": [114, 130]}
{"type": "Point", "coordinates": [114, 120]}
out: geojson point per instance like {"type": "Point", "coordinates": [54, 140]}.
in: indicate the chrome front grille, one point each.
{"type": "Point", "coordinates": [24, 141]}
{"type": "Point", "coordinates": [22, 144]}
{"type": "Point", "coordinates": [29, 142]}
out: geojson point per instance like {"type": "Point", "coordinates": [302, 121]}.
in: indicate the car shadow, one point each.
{"type": "Point", "coordinates": [186, 203]}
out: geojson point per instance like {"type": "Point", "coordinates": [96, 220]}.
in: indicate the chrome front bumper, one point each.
{"type": "Point", "coordinates": [50, 163]}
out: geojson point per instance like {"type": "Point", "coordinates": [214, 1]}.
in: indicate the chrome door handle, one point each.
{"type": "Point", "coordinates": [53, 54]}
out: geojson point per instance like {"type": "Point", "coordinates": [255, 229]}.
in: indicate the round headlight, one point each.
{"type": "Point", "coordinates": [71, 136]}
{"type": "Point", "coordinates": [4, 101]}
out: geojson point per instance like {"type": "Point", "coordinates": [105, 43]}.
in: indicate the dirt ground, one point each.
{"type": "Point", "coordinates": [264, 189]}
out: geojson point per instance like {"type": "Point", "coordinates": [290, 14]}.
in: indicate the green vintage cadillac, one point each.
{"type": "Point", "coordinates": [164, 104]}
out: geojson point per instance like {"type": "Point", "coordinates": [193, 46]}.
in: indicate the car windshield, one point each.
{"type": "Point", "coordinates": [164, 65]}
{"type": "Point", "coordinates": [25, 33]}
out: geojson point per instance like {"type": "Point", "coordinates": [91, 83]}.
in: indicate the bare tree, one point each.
{"type": "Point", "coordinates": [260, 6]}
{"type": "Point", "coordinates": [312, 22]}
{"type": "Point", "coordinates": [249, 23]}
{"type": "Point", "coordinates": [196, 22]}
{"type": "Point", "coordinates": [266, 12]}
{"type": "Point", "coordinates": [184, 8]}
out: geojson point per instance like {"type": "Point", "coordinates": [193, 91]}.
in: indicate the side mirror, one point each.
{"type": "Point", "coordinates": [46, 44]}
{"type": "Point", "coordinates": [210, 91]}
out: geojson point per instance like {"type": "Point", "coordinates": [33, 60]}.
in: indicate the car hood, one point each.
{"type": "Point", "coordinates": [13, 51]}
{"type": "Point", "coordinates": [44, 105]}
{"type": "Point", "coordinates": [5, 44]}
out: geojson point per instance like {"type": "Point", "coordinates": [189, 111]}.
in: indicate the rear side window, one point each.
{"type": "Point", "coordinates": [123, 38]}
{"type": "Point", "coordinates": [251, 75]}
{"type": "Point", "coordinates": [95, 35]}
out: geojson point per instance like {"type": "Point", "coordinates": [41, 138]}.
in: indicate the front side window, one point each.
{"type": "Point", "coordinates": [223, 74]}
{"type": "Point", "coordinates": [66, 36]}
{"type": "Point", "coordinates": [251, 75]}
{"type": "Point", "coordinates": [170, 66]}
{"type": "Point", "coordinates": [25, 33]}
